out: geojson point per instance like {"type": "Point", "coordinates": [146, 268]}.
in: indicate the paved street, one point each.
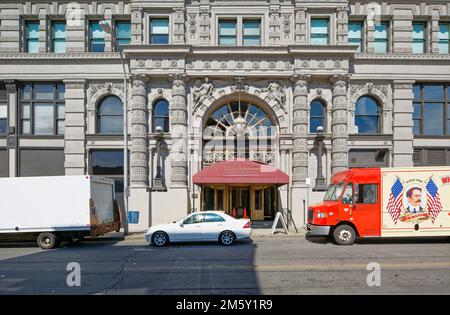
{"type": "Point", "coordinates": [266, 265]}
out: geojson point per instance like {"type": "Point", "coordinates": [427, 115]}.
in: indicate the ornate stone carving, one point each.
{"type": "Point", "coordinates": [286, 25]}
{"type": "Point", "coordinates": [202, 91]}
{"type": "Point", "coordinates": [192, 22]}
{"type": "Point", "coordinates": [277, 93]}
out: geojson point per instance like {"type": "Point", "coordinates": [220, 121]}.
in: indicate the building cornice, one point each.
{"type": "Point", "coordinates": [51, 58]}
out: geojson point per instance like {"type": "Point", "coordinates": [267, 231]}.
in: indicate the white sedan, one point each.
{"type": "Point", "coordinates": [205, 226]}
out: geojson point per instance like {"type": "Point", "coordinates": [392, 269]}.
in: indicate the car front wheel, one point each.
{"type": "Point", "coordinates": [227, 238]}
{"type": "Point", "coordinates": [160, 239]}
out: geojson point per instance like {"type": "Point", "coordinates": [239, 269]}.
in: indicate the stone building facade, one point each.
{"type": "Point", "coordinates": [380, 70]}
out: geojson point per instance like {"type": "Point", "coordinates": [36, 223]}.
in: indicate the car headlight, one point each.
{"type": "Point", "coordinates": [321, 215]}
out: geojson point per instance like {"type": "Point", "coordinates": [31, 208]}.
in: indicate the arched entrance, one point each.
{"type": "Point", "coordinates": [239, 142]}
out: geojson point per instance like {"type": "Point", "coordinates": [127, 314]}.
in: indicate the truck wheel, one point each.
{"type": "Point", "coordinates": [47, 240]}
{"type": "Point", "coordinates": [160, 239]}
{"type": "Point", "coordinates": [344, 235]}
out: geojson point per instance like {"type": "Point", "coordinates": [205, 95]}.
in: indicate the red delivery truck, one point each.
{"type": "Point", "coordinates": [383, 202]}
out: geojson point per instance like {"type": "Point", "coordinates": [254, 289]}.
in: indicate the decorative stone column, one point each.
{"type": "Point", "coordinates": [274, 25]}
{"type": "Point", "coordinates": [300, 130]}
{"type": "Point", "coordinates": [403, 124]}
{"type": "Point", "coordinates": [298, 193]}
{"type": "Point", "coordinates": [75, 127]}
{"type": "Point", "coordinates": [12, 139]}
{"type": "Point", "coordinates": [205, 25]}
{"type": "Point", "coordinates": [178, 25]}
{"type": "Point", "coordinates": [178, 123]}
{"type": "Point", "coordinates": [339, 153]}
{"type": "Point", "coordinates": [139, 132]}
{"type": "Point", "coordinates": [402, 30]}
{"type": "Point", "coordinates": [434, 23]}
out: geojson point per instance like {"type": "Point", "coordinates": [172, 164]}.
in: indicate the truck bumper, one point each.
{"type": "Point", "coordinates": [317, 230]}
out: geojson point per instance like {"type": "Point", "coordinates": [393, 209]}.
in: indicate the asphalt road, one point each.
{"type": "Point", "coordinates": [266, 265]}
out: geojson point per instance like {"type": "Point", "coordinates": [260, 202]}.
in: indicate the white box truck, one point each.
{"type": "Point", "coordinates": [57, 208]}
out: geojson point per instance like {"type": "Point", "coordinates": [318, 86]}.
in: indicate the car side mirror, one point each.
{"type": "Point", "coordinates": [181, 224]}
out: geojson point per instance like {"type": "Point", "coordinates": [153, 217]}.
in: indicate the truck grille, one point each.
{"type": "Point", "coordinates": [310, 215]}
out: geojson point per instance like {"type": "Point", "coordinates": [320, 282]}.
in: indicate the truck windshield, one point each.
{"type": "Point", "coordinates": [334, 192]}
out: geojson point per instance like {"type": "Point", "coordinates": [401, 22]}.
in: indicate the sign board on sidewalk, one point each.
{"type": "Point", "coordinates": [279, 217]}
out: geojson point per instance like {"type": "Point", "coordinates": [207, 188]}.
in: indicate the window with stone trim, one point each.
{"type": "Point", "coordinates": [419, 37]}
{"type": "Point", "coordinates": [96, 37]}
{"type": "Point", "coordinates": [123, 33]}
{"type": "Point", "coordinates": [356, 34]}
{"type": "Point", "coordinates": [251, 32]}
{"type": "Point", "coordinates": [227, 32]}
{"type": "Point", "coordinates": [381, 37]}
{"type": "Point", "coordinates": [159, 30]}
{"type": "Point", "coordinates": [160, 115]}
{"type": "Point", "coordinates": [110, 115]}
{"type": "Point", "coordinates": [58, 36]}
{"type": "Point", "coordinates": [32, 36]}
{"type": "Point", "coordinates": [42, 109]}
{"type": "Point", "coordinates": [368, 115]}
{"type": "Point", "coordinates": [431, 114]}
{"type": "Point", "coordinates": [317, 115]}
{"type": "Point", "coordinates": [444, 38]}
{"type": "Point", "coordinates": [319, 31]}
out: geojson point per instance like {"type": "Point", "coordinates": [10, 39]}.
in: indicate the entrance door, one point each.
{"type": "Point", "coordinates": [240, 200]}
{"type": "Point", "coordinates": [258, 204]}
{"type": "Point", "coordinates": [270, 202]}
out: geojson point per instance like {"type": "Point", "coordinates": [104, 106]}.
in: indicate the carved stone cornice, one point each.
{"type": "Point", "coordinates": [52, 58]}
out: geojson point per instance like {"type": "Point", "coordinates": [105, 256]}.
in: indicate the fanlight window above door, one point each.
{"type": "Point", "coordinates": [236, 119]}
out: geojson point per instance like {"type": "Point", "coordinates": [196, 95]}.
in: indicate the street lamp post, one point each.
{"type": "Point", "coordinates": [320, 179]}
{"type": "Point", "coordinates": [106, 27]}
{"type": "Point", "coordinates": [158, 180]}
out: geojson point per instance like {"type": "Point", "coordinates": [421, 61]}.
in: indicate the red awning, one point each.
{"type": "Point", "coordinates": [240, 172]}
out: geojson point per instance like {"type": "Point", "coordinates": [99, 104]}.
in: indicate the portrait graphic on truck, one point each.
{"type": "Point", "coordinates": [414, 201]}
{"type": "Point", "coordinates": [420, 197]}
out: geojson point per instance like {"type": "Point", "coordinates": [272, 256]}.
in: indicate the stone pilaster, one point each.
{"type": "Point", "coordinates": [43, 26]}
{"type": "Point", "coordinates": [136, 25]}
{"type": "Point", "coordinates": [139, 134]}
{"type": "Point", "coordinates": [402, 31]}
{"type": "Point", "coordinates": [11, 35]}
{"type": "Point", "coordinates": [274, 25]}
{"type": "Point", "coordinates": [339, 128]}
{"type": "Point", "coordinates": [300, 130]}
{"type": "Point", "coordinates": [76, 32]}
{"type": "Point", "coordinates": [434, 35]}
{"type": "Point", "coordinates": [403, 123]}
{"type": "Point", "coordinates": [205, 25]}
{"type": "Point", "coordinates": [12, 141]}
{"type": "Point", "coordinates": [178, 25]}
{"type": "Point", "coordinates": [342, 25]}
{"type": "Point", "coordinates": [75, 127]}
{"type": "Point", "coordinates": [300, 26]}
{"type": "Point", "coordinates": [178, 124]}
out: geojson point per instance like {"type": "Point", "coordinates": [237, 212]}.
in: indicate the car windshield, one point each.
{"type": "Point", "coordinates": [333, 192]}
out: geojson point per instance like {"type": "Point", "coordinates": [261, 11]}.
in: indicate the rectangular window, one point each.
{"type": "Point", "coordinates": [159, 31]}
{"type": "Point", "coordinates": [59, 37]}
{"type": "Point", "coordinates": [381, 38]}
{"type": "Point", "coordinates": [251, 34]}
{"type": "Point", "coordinates": [32, 37]}
{"type": "Point", "coordinates": [109, 163]}
{"type": "Point", "coordinates": [3, 110]}
{"type": "Point", "coordinates": [444, 38]}
{"type": "Point", "coordinates": [418, 37]}
{"type": "Point", "coordinates": [431, 114]}
{"type": "Point", "coordinates": [227, 33]}
{"type": "Point", "coordinates": [42, 109]}
{"type": "Point", "coordinates": [431, 157]}
{"type": "Point", "coordinates": [319, 31]}
{"type": "Point", "coordinates": [41, 162]}
{"type": "Point", "coordinates": [96, 37]}
{"type": "Point", "coordinates": [123, 33]}
{"type": "Point", "coordinates": [367, 193]}
{"type": "Point", "coordinates": [355, 34]}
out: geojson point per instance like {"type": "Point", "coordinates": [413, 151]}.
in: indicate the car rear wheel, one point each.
{"type": "Point", "coordinates": [47, 240]}
{"type": "Point", "coordinates": [227, 238]}
{"type": "Point", "coordinates": [160, 239]}
{"type": "Point", "coordinates": [344, 235]}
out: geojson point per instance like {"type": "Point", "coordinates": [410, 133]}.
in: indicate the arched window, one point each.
{"type": "Point", "coordinates": [316, 115]}
{"type": "Point", "coordinates": [161, 115]}
{"type": "Point", "coordinates": [367, 115]}
{"type": "Point", "coordinates": [110, 115]}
